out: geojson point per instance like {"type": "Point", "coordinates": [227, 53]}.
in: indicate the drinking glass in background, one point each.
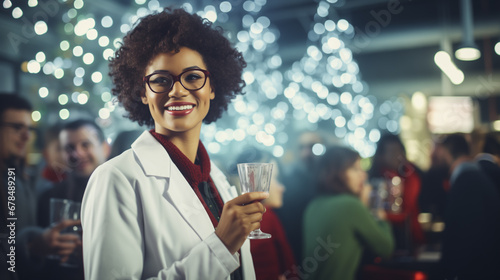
{"type": "Point", "coordinates": [255, 177]}
{"type": "Point", "coordinates": [65, 209]}
{"type": "Point", "coordinates": [378, 196]}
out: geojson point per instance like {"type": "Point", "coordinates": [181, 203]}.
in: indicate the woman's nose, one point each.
{"type": "Point", "coordinates": [178, 90]}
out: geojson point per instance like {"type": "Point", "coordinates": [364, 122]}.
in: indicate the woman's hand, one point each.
{"type": "Point", "coordinates": [239, 217]}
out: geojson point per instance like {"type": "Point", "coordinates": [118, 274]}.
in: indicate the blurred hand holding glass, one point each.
{"type": "Point", "coordinates": [61, 210]}
{"type": "Point", "coordinates": [387, 194]}
{"type": "Point", "coordinates": [255, 177]}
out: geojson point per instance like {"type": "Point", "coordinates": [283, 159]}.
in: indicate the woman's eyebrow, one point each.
{"type": "Point", "coordinates": [185, 69]}
{"type": "Point", "coordinates": [191, 68]}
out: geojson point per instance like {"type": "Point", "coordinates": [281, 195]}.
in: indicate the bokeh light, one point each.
{"type": "Point", "coordinates": [64, 114]}
{"type": "Point", "coordinates": [63, 99]}
{"type": "Point", "coordinates": [17, 13]}
{"type": "Point", "coordinates": [88, 58]}
{"type": "Point", "coordinates": [107, 21]}
{"type": "Point", "coordinates": [41, 27]}
{"type": "Point", "coordinates": [36, 116]}
{"type": "Point", "coordinates": [33, 66]}
{"type": "Point", "coordinates": [103, 41]}
{"type": "Point", "coordinates": [83, 98]}
{"type": "Point", "coordinates": [7, 4]}
{"type": "Point", "coordinates": [43, 92]}
{"type": "Point", "coordinates": [40, 57]}
{"type": "Point", "coordinates": [96, 77]}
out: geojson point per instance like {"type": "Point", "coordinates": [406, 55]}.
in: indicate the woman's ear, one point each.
{"type": "Point", "coordinates": [212, 94]}
{"type": "Point", "coordinates": [144, 99]}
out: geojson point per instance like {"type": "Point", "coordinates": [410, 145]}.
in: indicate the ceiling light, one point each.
{"type": "Point", "coordinates": [468, 50]}
{"type": "Point", "coordinates": [444, 62]}
{"type": "Point", "coordinates": [496, 125]}
{"type": "Point", "coordinates": [468, 53]}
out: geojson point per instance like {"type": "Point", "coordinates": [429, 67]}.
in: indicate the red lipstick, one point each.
{"type": "Point", "coordinates": [179, 108]}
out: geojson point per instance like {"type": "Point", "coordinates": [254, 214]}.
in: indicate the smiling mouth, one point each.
{"type": "Point", "coordinates": [180, 108]}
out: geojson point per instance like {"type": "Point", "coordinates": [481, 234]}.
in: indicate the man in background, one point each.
{"type": "Point", "coordinates": [16, 133]}
{"type": "Point", "coordinates": [472, 217]}
{"type": "Point", "coordinates": [84, 148]}
{"type": "Point", "coordinates": [32, 243]}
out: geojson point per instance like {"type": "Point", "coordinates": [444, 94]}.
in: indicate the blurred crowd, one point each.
{"type": "Point", "coordinates": [331, 216]}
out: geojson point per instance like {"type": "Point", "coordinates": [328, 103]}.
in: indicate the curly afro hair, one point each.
{"type": "Point", "coordinates": [166, 32]}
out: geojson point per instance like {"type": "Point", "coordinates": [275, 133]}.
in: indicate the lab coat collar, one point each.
{"type": "Point", "coordinates": [153, 158]}
{"type": "Point", "coordinates": [155, 161]}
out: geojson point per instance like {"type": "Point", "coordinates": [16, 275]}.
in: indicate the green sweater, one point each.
{"type": "Point", "coordinates": [337, 228]}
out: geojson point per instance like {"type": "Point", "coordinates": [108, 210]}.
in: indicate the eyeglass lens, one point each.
{"type": "Point", "coordinates": [20, 127]}
{"type": "Point", "coordinates": [190, 80]}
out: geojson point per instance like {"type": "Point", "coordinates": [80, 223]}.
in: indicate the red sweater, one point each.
{"type": "Point", "coordinates": [272, 257]}
{"type": "Point", "coordinates": [411, 182]}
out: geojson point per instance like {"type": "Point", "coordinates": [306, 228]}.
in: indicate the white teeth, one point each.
{"type": "Point", "coordinates": [179, 108]}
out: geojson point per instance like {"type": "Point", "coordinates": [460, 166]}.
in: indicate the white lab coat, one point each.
{"type": "Point", "coordinates": [142, 220]}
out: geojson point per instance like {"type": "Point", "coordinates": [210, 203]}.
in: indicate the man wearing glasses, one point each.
{"type": "Point", "coordinates": [16, 131]}
{"type": "Point", "coordinates": [21, 241]}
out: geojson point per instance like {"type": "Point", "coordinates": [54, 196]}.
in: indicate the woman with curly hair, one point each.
{"type": "Point", "coordinates": [162, 210]}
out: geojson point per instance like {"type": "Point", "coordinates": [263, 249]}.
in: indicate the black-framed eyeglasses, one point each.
{"type": "Point", "coordinates": [162, 81]}
{"type": "Point", "coordinates": [18, 127]}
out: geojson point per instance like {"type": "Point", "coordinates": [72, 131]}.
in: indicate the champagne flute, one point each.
{"type": "Point", "coordinates": [255, 177]}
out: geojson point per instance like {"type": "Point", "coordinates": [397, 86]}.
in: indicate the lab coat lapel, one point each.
{"type": "Point", "coordinates": [155, 161]}
{"type": "Point", "coordinates": [153, 158]}
{"type": "Point", "coordinates": [188, 204]}
{"type": "Point", "coordinates": [226, 191]}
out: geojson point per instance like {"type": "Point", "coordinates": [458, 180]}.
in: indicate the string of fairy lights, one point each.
{"type": "Point", "coordinates": [323, 90]}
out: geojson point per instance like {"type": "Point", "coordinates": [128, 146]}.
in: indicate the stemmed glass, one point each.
{"type": "Point", "coordinates": [255, 177]}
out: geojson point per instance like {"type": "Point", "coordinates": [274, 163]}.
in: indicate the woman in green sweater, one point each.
{"type": "Point", "coordinates": [338, 225]}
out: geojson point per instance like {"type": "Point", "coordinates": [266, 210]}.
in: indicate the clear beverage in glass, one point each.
{"type": "Point", "coordinates": [255, 177]}
{"type": "Point", "coordinates": [65, 209]}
